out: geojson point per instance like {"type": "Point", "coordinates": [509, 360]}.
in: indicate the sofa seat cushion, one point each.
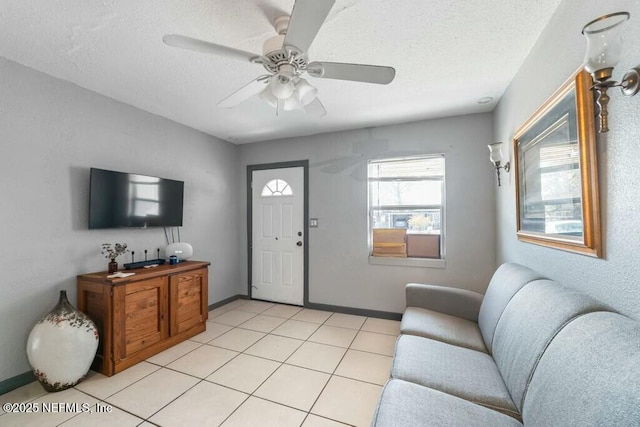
{"type": "Point", "coordinates": [468, 374]}
{"type": "Point", "coordinates": [406, 404]}
{"type": "Point", "coordinates": [442, 327]}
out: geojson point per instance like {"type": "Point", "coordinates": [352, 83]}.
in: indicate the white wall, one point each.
{"type": "Point", "coordinates": [52, 132]}
{"type": "Point", "coordinates": [339, 273]}
{"type": "Point", "coordinates": [615, 279]}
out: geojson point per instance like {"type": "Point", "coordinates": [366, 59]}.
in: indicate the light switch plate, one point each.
{"type": "Point", "coordinates": [313, 222]}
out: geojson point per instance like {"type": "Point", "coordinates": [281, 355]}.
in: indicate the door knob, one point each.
{"type": "Point", "coordinates": [299, 243]}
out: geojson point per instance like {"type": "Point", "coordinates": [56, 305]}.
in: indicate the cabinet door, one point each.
{"type": "Point", "coordinates": [188, 300]}
{"type": "Point", "coordinates": [139, 316]}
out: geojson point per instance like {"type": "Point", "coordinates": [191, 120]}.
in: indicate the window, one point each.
{"type": "Point", "coordinates": [277, 188]}
{"type": "Point", "coordinates": [406, 207]}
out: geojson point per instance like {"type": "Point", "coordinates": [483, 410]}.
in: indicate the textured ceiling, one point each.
{"type": "Point", "coordinates": [447, 56]}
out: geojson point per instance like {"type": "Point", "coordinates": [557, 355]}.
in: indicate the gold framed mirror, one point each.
{"type": "Point", "coordinates": [556, 172]}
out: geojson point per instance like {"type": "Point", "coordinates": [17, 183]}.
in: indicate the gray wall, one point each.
{"type": "Point", "coordinates": [52, 133]}
{"type": "Point", "coordinates": [615, 279]}
{"type": "Point", "coordinates": [339, 272]}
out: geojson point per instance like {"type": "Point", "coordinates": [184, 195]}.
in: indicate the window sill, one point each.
{"type": "Point", "coordinates": [408, 262]}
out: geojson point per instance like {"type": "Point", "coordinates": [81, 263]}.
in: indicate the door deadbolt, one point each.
{"type": "Point", "coordinates": [299, 243]}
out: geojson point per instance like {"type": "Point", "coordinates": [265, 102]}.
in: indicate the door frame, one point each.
{"type": "Point", "coordinates": [304, 164]}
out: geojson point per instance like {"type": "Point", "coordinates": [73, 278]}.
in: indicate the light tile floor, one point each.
{"type": "Point", "coordinates": [257, 364]}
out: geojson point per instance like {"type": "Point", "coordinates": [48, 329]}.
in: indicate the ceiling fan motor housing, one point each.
{"type": "Point", "coordinates": [275, 43]}
{"type": "Point", "coordinates": [281, 24]}
{"type": "Point", "coordinates": [272, 45]}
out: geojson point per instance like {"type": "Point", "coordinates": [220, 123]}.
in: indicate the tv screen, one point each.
{"type": "Point", "coordinates": [118, 199]}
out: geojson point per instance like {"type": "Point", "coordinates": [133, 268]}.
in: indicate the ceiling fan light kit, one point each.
{"type": "Point", "coordinates": [281, 84]}
{"type": "Point", "coordinates": [291, 104]}
{"type": "Point", "coordinates": [269, 98]}
{"type": "Point", "coordinates": [306, 92]}
{"type": "Point", "coordinates": [284, 58]}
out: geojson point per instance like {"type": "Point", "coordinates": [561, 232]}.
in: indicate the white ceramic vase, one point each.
{"type": "Point", "coordinates": [61, 346]}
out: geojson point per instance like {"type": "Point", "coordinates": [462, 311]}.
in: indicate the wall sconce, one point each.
{"type": "Point", "coordinates": [495, 155]}
{"type": "Point", "coordinates": [604, 49]}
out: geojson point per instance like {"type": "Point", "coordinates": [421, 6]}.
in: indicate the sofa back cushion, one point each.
{"type": "Point", "coordinates": [508, 279]}
{"type": "Point", "coordinates": [589, 375]}
{"type": "Point", "coordinates": [529, 322]}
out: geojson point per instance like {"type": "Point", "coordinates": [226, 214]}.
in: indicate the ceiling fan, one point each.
{"type": "Point", "coordinates": [284, 58]}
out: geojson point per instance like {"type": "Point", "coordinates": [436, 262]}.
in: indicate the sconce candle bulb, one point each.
{"type": "Point", "coordinates": [495, 155]}
{"type": "Point", "coordinates": [604, 50]}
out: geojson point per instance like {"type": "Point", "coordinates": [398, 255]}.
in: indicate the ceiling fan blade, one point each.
{"type": "Point", "coordinates": [184, 42]}
{"type": "Point", "coordinates": [245, 92]}
{"type": "Point", "coordinates": [306, 19]}
{"type": "Point", "coordinates": [355, 72]}
{"type": "Point", "coordinates": [315, 108]}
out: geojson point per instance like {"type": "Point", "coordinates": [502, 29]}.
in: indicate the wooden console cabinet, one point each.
{"type": "Point", "coordinates": [143, 314]}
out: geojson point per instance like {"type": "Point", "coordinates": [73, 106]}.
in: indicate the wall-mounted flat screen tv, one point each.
{"type": "Point", "coordinates": [119, 199]}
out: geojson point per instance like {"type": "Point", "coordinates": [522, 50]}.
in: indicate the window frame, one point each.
{"type": "Point", "coordinates": [407, 261]}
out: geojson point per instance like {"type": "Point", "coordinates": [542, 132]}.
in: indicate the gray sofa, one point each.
{"type": "Point", "coordinates": [529, 351]}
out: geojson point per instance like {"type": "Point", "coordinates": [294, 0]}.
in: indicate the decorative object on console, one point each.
{"type": "Point", "coordinates": [495, 155]}
{"type": "Point", "coordinates": [140, 264]}
{"type": "Point", "coordinates": [604, 50]}
{"type": "Point", "coordinates": [146, 263]}
{"type": "Point", "coordinates": [183, 251]}
{"type": "Point", "coordinates": [61, 346]}
{"type": "Point", "coordinates": [112, 253]}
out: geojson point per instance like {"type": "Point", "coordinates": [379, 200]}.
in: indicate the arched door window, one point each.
{"type": "Point", "coordinates": [277, 188]}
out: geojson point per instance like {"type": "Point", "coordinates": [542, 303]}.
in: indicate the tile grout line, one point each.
{"type": "Point", "coordinates": [170, 402]}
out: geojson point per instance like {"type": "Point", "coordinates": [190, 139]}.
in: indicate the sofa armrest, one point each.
{"type": "Point", "coordinates": [455, 302]}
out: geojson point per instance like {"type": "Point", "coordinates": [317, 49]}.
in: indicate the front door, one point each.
{"type": "Point", "coordinates": [277, 254]}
